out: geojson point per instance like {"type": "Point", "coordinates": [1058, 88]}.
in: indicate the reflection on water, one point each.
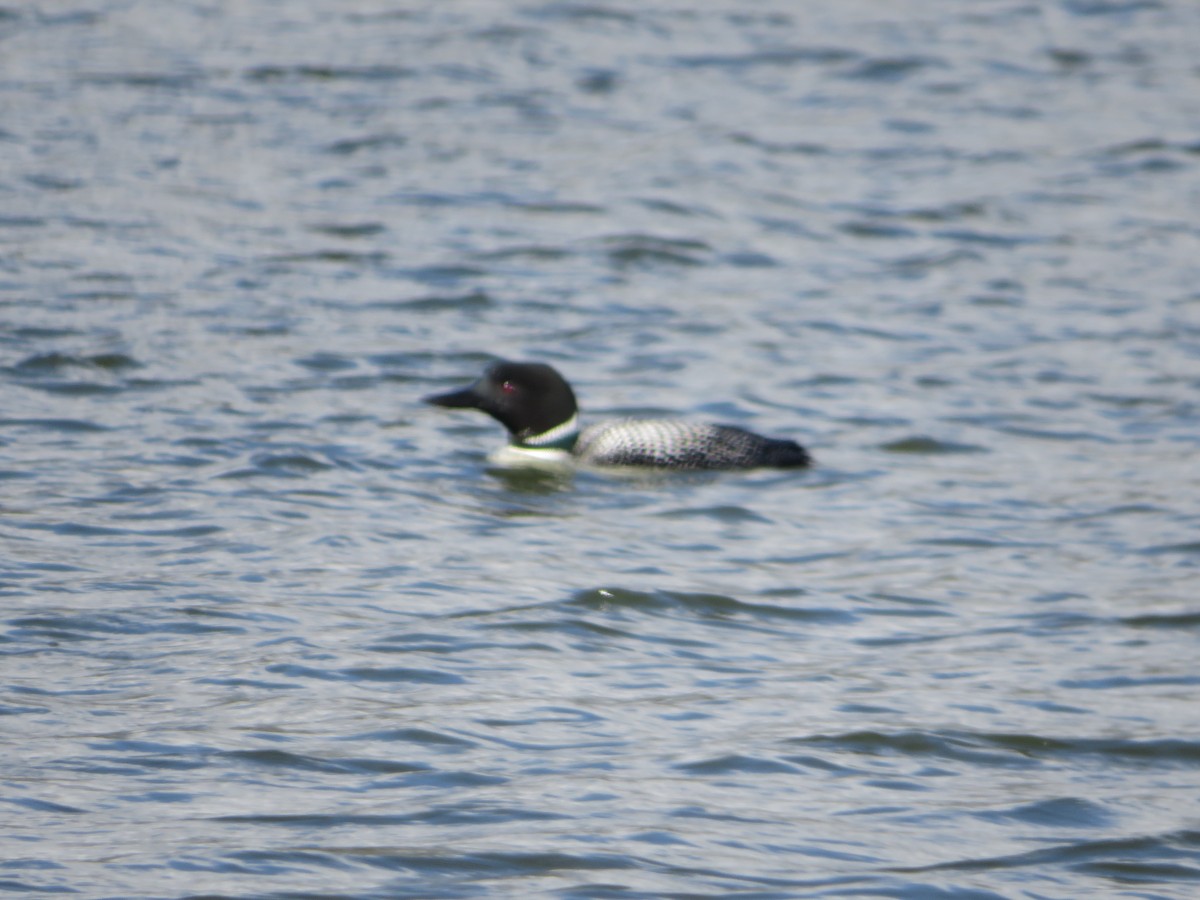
{"type": "Point", "coordinates": [272, 628]}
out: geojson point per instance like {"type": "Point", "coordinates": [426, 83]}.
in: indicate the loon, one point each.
{"type": "Point", "coordinates": [537, 406]}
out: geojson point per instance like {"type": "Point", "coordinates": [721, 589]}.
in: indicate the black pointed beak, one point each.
{"type": "Point", "coordinates": [466, 398]}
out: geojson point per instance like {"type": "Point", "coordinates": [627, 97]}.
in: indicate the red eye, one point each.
{"type": "Point", "coordinates": [508, 387]}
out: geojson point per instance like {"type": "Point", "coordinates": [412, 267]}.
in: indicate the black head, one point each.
{"type": "Point", "coordinates": [526, 398]}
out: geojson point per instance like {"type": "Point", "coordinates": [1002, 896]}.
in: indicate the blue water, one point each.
{"type": "Point", "coordinates": [272, 628]}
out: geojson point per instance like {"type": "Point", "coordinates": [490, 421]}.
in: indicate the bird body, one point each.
{"type": "Point", "coordinates": [537, 406]}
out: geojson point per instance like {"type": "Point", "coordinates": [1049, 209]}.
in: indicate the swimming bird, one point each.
{"type": "Point", "coordinates": [537, 406]}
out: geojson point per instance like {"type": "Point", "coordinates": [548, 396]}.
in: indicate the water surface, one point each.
{"type": "Point", "coordinates": [272, 628]}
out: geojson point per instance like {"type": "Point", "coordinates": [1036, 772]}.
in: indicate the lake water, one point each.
{"type": "Point", "coordinates": [272, 628]}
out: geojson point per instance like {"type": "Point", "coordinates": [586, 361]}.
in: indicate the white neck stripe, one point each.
{"type": "Point", "coordinates": [555, 434]}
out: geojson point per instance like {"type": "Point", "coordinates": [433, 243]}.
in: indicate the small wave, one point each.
{"type": "Point", "coordinates": [351, 146]}
{"type": "Point", "coordinates": [349, 231]}
{"type": "Point", "coordinates": [782, 57]}
{"type": "Point", "coordinates": [326, 362]}
{"type": "Point", "coordinates": [1006, 750]}
{"type": "Point", "coordinates": [891, 69]}
{"type": "Point", "coordinates": [1126, 860]}
{"type": "Point", "coordinates": [334, 257]}
{"type": "Point", "coordinates": [1186, 547]}
{"type": "Point", "coordinates": [725, 513]}
{"type": "Point", "coordinates": [1061, 812]}
{"type": "Point", "coordinates": [471, 300]}
{"type": "Point", "coordinates": [280, 465]}
{"type": "Point", "coordinates": [281, 759]}
{"type": "Point", "coordinates": [876, 230]}
{"type": "Point", "coordinates": [920, 444]}
{"type": "Point", "coordinates": [169, 80]}
{"type": "Point", "coordinates": [422, 736]}
{"type": "Point", "coordinates": [69, 426]}
{"type": "Point", "coordinates": [367, 673]}
{"type": "Point", "coordinates": [44, 363]}
{"type": "Point", "coordinates": [706, 606]}
{"type": "Point", "coordinates": [737, 764]}
{"type": "Point", "coordinates": [1169, 621]}
{"type": "Point", "coordinates": [328, 73]}
{"type": "Point", "coordinates": [643, 250]}
{"type": "Point", "coordinates": [96, 626]}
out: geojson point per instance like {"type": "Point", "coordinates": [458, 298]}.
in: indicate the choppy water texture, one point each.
{"type": "Point", "coordinates": [272, 628]}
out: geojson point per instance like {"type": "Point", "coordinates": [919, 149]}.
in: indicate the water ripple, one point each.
{"type": "Point", "coordinates": [273, 627]}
